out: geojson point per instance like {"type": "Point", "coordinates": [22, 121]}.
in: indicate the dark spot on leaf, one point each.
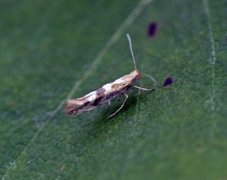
{"type": "Point", "coordinates": [168, 81]}
{"type": "Point", "coordinates": [151, 30]}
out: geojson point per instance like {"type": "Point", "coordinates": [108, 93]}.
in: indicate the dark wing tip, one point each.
{"type": "Point", "coordinates": [69, 109]}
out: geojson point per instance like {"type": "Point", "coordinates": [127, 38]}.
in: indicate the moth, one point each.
{"type": "Point", "coordinates": [107, 92]}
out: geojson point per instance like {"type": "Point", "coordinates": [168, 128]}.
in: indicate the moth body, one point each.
{"type": "Point", "coordinates": [102, 95]}
{"type": "Point", "coordinates": [106, 93]}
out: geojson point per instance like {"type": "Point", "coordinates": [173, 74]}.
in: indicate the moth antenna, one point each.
{"type": "Point", "coordinates": [130, 47]}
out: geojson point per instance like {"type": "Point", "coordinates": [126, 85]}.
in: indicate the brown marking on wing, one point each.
{"type": "Point", "coordinates": [72, 106]}
{"type": "Point", "coordinates": [117, 86]}
{"type": "Point", "coordinates": [100, 93]}
{"type": "Point", "coordinates": [69, 108]}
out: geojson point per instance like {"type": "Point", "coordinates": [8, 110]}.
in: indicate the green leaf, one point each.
{"type": "Point", "coordinates": [54, 50]}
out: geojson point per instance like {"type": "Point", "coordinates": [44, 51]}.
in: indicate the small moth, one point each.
{"type": "Point", "coordinates": [106, 93]}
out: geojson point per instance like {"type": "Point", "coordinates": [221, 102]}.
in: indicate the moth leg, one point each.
{"type": "Point", "coordinates": [143, 89]}
{"type": "Point", "coordinates": [126, 97]}
{"type": "Point", "coordinates": [148, 89]}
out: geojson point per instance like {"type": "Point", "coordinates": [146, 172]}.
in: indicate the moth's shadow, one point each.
{"type": "Point", "coordinates": [96, 125]}
{"type": "Point", "coordinates": [101, 119]}
{"type": "Point", "coordinates": [130, 103]}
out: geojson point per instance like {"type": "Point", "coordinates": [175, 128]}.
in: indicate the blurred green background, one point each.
{"type": "Point", "coordinates": [54, 50]}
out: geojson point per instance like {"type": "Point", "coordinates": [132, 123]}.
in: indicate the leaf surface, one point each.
{"type": "Point", "coordinates": [55, 50]}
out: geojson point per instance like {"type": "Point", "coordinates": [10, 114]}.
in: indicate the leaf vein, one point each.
{"type": "Point", "coordinates": [212, 59]}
